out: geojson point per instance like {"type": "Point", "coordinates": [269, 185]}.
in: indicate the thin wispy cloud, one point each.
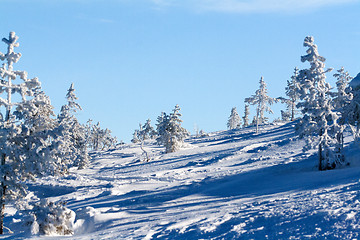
{"type": "Point", "coordinates": [252, 6]}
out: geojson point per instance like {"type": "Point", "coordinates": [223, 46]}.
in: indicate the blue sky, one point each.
{"type": "Point", "coordinates": [132, 59]}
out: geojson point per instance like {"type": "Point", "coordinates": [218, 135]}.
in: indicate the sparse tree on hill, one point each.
{"type": "Point", "coordinates": [292, 93]}
{"type": "Point", "coordinates": [234, 120]}
{"type": "Point", "coordinates": [262, 100]}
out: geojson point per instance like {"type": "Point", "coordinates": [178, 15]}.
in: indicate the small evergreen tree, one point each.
{"type": "Point", "coordinates": [292, 93]}
{"type": "Point", "coordinates": [343, 95]}
{"type": "Point", "coordinates": [246, 115]}
{"type": "Point", "coordinates": [148, 131]}
{"type": "Point", "coordinates": [74, 140]}
{"type": "Point", "coordinates": [171, 133]}
{"type": "Point", "coordinates": [234, 120]}
{"type": "Point", "coordinates": [262, 100]}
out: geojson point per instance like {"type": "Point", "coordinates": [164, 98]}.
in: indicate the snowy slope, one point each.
{"type": "Point", "coordinates": [230, 185]}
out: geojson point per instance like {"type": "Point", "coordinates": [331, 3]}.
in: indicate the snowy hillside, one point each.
{"type": "Point", "coordinates": [231, 185]}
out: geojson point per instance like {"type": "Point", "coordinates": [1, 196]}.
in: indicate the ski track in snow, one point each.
{"type": "Point", "coordinates": [230, 185]}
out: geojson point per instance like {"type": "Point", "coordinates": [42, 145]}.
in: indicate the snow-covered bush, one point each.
{"type": "Point", "coordinates": [234, 120]}
{"type": "Point", "coordinates": [144, 132]}
{"type": "Point", "coordinates": [246, 115]}
{"type": "Point", "coordinates": [170, 132]}
{"type": "Point", "coordinates": [49, 218]}
{"type": "Point", "coordinates": [98, 138]}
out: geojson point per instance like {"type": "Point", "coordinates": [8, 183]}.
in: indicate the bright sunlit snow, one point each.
{"type": "Point", "coordinates": [232, 184]}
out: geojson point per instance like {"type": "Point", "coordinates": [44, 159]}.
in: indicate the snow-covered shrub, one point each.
{"type": "Point", "coordinates": [98, 138]}
{"type": "Point", "coordinates": [144, 132]}
{"type": "Point", "coordinates": [170, 132]}
{"type": "Point", "coordinates": [234, 120]}
{"type": "Point", "coordinates": [49, 218]}
{"type": "Point", "coordinates": [246, 116]}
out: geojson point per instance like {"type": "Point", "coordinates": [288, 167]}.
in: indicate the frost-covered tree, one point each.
{"type": "Point", "coordinates": [293, 95]}
{"type": "Point", "coordinates": [144, 132]}
{"type": "Point", "coordinates": [319, 124]}
{"type": "Point", "coordinates": [98, 138]}
{"type": "Point", "coordinates": [28, 137]}
{"type": "Point", "coordinates": [148, 131]}
{"type": "Point", "coordinates": [343, 95]}
{"type": "Point", "coordinates": [262, 100]}
{"type": "Point", "coordinates": [161, 124]}
{"type": "Point", "coordinates": [74, 133]}
{"type": "Point", "coordinates": [351, 112]}
{"type": "Point", "coordinates": [234, 120]}
{"type": "Point", "coordinates": [246, 115]}
{"type": "Point", "coordinates": [136, 136]}
{"type": "Point", "coordinates": [170, 132]}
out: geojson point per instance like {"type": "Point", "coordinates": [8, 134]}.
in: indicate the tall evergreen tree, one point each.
{"type": "Point", "coordinates": [74, 140]}
{"type": "Point", "coordinates": [28, 138]}
{"type": "Point", "coordinates": [319, 124]}
{"type": "Point", "coordinates": [262, 100]}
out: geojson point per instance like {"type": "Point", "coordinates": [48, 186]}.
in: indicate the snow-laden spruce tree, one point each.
{"type": "Point", "coordinates": [234, 121]}
{"type": "Point", "coordinates": [170, 132]}
{"type": "Point", "coordinates": [246, 115]}
{"type": "Point", "coordinates": [74, 140]}
{"type": "Point", "coordinates": [262, 100]}
{"type": "Point", "coordinates": [136, 136]}
{"type": "Point", "coordinates": [343, 96]}
{"type": "Point", "coordinates": [27, 132]}
{"type": "Point", "coordinates": [351, 110]}
{"type": "Point", "coordinates": [148, 131]}
{"type": "Point", "coordinates": [319, 124]}
{"type": "Point", "coordinates": [293, 95]}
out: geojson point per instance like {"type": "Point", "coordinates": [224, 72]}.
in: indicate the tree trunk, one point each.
{"type": "Point", "coordinates": [3, 191]}
{"type": "Point", "coordinates": [320, 158]}
{"type": "Point", "coordinates": [257, 121]}
{"type": "Point", "coordinates": [3, 182]}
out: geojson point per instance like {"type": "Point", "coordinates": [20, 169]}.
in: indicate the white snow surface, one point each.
{"type": "Point", "coordinates": [230, 185]}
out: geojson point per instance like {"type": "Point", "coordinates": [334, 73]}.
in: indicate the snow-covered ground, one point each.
{"type": "Point", "coordinates": [230, 185]}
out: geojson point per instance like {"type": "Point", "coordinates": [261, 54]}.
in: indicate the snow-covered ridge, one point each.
{"type": "Point", "coordinates": [230, 185]}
